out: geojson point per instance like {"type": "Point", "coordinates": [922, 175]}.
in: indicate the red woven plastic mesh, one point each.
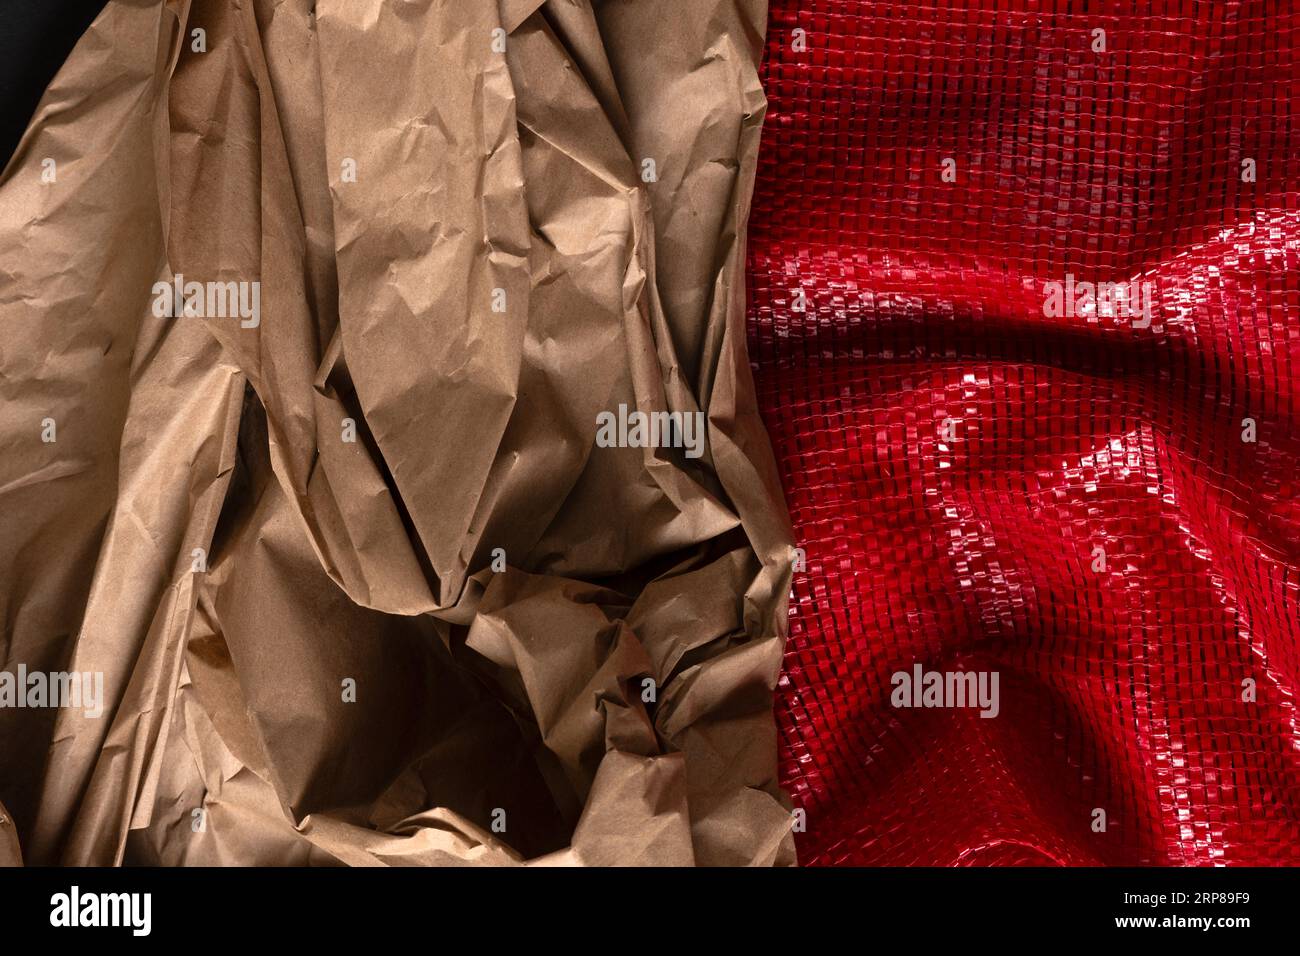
{"type": "Point", "coordinates": [1120, 690]}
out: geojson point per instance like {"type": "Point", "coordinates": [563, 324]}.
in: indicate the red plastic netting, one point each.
{"type": "Point", "coordinates": [1069, 500]}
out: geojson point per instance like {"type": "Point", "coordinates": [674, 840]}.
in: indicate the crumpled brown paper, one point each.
{"type": "Point", "coordinates": [560, 653]}
{"type": "Point", "coordinates": [10, 852]}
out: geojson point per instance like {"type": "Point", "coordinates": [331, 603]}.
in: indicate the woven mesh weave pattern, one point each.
{"type": "Point", "coordinates": [954, 458]}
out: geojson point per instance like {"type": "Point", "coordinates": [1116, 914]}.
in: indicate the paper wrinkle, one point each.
{"type": "Point", "coordinates": [562, 654]}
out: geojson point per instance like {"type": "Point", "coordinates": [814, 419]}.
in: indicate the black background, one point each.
{"type": "Point", "coordinates": [36, 36]}
{"type": "Point", "coordinates": [651, 912]}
